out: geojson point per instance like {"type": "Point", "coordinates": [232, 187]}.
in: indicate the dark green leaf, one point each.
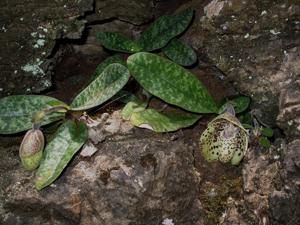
{"type": "Point", "coordinates": [245, 118]}
{"type": "Point", "coordinates": [106, 85]}
{"type": "Point", "coordinates": [117, 42]}
{"type": "Point", "coordinates": [60, 150]}
{"type": "Point", "coordinates": [264, 142]}
{"type": "Point", "coordinates": [16, 112]}
{"type": "Point", "coordinates": [163, 122]}
{"type": "Point", "coordinates": [247, 126]}
{"type": "Point", "coordinates": [240, 104]}
{"type": "Point", "coordinates": [170, 82]}
{"type": "Point", "coordinates": [268, 132]}
{"type": "Point", "coordinates": [180, 53]}
{"type": "Point", "coordinates": [124, 96]}
{"type": "Point", "coordinates": [107, 62]}
{"type": "Point", "coordinates": [164, 29]}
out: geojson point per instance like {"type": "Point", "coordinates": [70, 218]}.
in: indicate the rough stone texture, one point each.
{"type": "Point", "coordinates": [285, 201]}
{"type": "Point", "coordinates": [254, 44]}
{"type": "Point", "coordinates": [134, 11]}
{"type": "Point", "coordinates": [134, 178]}
{"type": "Point", "coordinates": [271, 186]}
{"type": "Point", "coordinates": [289, 107]}
{"type": "Point", "coordinates": [260, 172]}
{"type": "Point", "coordinates": [30, 30]}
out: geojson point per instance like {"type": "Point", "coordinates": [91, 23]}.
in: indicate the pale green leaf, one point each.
{"type": "Point", "coordinates": [16, 112]}
{"type": "Point", "coordinates": [164, 29]}
{"type": "Point", "coordinates": [163, 122]}
{"type": "Point", "coordinates": [131, 107]}
{"type": "Point", "coordinates": [117, 42]}
{"type": "Point", "coordinates": [107, 84]}
{"type": "Point", "coordinates": [180, 53]}
{"type": "Point", "coordinates": [170, 82]}
{"type": "Point", "coordinates": [59, 151]}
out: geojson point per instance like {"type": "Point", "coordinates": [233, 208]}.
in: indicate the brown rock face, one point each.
{"type": "Point", "coordinates": [134, 178]}
{"type": "Point", "coordinates": [289, 107]}
{"type": "Point", "coordinates": [285, 201]}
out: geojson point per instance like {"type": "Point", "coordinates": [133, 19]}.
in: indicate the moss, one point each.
{"type": "Point", "coordinates": [214, 197]}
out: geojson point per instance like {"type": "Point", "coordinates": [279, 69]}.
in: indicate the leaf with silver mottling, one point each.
{"type": "Point", "coordinates": [118, 42]}
{"type": "Point", "coordinates": [170, 82]}
{"type": "Point", "coordinates": [106, 85]}
{"type": "Point", "coordinates": [180, 53]}
{"type": "Point", "coordinates": [16, 112]}
{"type": "Point", "coordinates": [164, 29]}
{"type": "Point", "coordinates": [60, 150]}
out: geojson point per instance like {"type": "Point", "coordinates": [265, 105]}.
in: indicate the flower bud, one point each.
{"type": "Point", "coordinates": [31, 149]}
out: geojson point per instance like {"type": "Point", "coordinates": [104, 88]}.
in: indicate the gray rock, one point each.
{"type": "Point", "coordinates": [253, 43]}
{"type": "Point", "coordinates": [28, 35]}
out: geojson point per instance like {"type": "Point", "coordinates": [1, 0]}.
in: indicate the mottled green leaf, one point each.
{"type": "Point", "coordinates": [117, 42]}
{"type": "Point", "coordinates": [105, 63]}
{"type": "Point", "coordinates": [163, 122]}
{"type": "Point", "coordinates": [264, 142]}
{"type": "Point", "coordinates": [131, 107]}
{"type": "Point", "coordinates": [240, 104]}
{"type": "Point", "coordinates": [107, 84]}
{"type": "Point", "coordinates": [164, 29]}
{"type": "Point", "coordinates": [268, 132]}
{"type": "Point", "coordinates": [170, 82]}
{"type": "Point", "coordinates": [59, 151]}
{"type": "Point", "coordinates": [16, 112]}
{"type": "Point", "coordinates": [180, 53]}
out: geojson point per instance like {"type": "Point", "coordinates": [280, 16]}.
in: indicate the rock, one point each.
{"type": "Point", "coordinates": [289, 107]}
{"type": "Point", "coordinates": [232, 215]}
{"type": "Point", "coordinates": [136, 177]}
{"type": "Point", "coordinates": [28, 35]}
{"type": "Point", "coordinates": [136, 11]}
{"type": "Point", "coordinates": [285, 202]}
{"type": "Point", "coordinates": [261, 175]}
{"type": "Point", "coordinates": [271, 188]}
{"type": "Point", "coordinates": [254, 44]}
